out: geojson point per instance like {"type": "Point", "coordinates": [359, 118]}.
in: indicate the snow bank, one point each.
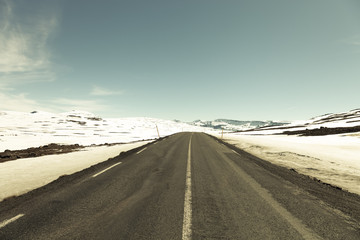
{"type": "Point", "coordinates": [23, 175]}
{"type": "Point", "coordinates": [333, 159]}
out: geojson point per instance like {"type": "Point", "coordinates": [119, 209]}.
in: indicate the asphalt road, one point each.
{"type": "Point", "coordinates": [186, 186]}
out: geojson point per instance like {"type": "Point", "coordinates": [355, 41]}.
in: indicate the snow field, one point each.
{"type": "Point", "coordinates": [334, 159]}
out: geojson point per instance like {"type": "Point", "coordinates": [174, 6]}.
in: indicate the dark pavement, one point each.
{"type": "Point", "coordinates": [141, 195]}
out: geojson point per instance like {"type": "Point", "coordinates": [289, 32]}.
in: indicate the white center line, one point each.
{"type": "Point", "coordinates": [95, 175]}
{"type": "Point", "coordinates": [186, 231]}
{"type": "Point", "coordinates": [141, 150]}
{"type": "Point", "coordinates": [6, 222]}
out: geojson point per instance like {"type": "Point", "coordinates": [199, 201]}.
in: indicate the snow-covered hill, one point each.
{"type": "Point", "coordinates": [345, 119]}
{"type": "Point", "coordinates": [20, 130]}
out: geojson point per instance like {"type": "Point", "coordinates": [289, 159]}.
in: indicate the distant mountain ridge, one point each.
{"type": "Point", "coordinates": [343, 119]}
{"type": "Point", "coordinates": [331, 123]}
{"type": "Point", "coordinates": [236, 125]}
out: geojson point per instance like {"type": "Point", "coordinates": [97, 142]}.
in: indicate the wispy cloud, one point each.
{"type": "Point", "coordinates": [25, 56]}
{"type": "Point", "coordinates": [64, 104]}
{"type": "Point", "coordinates": [357, 43]}
{"type": "Point", "coordinates": [98, 91]}
{"type": "Point", "coordinates": [24, 103]}
{"type": "Point", "coordinates": [354, 40]}
{"type": "Point", "coordinates": [20, 102]}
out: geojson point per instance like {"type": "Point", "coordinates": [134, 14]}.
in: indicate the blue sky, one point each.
{"type": "Point", "coordinates": [187, 60]}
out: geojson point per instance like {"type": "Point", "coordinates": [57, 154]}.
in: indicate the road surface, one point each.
{"type": "Point", "coordinates": [185, 186]}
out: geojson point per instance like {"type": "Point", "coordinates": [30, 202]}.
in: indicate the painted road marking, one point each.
{"type": "Point", "coordinates": [141, 150]}
{"type": "Point", "coordinates": [235, 151]}
{"type": "Point", "coordinates": [6, 222]}
{"type": "Point", "coordinates": [186, 232]}
{"type": "Point", "coordinates": [95, 175]}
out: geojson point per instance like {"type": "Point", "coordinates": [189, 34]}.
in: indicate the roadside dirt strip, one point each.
{"type": "Point", "coordinates": [186, 186]}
